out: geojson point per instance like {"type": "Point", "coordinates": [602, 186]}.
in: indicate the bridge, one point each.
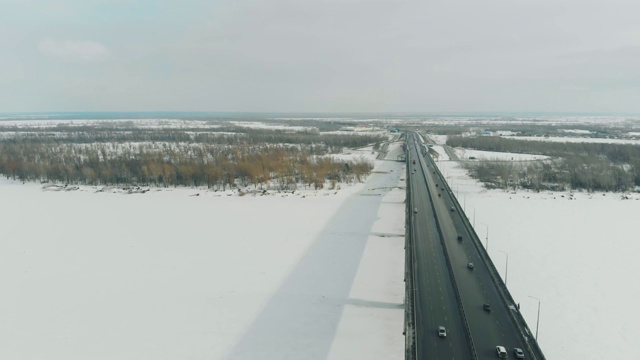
{"type": "Point", "coordinates": [450, 279]}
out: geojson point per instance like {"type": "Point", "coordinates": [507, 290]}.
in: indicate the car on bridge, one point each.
{"type": "Point", "coordinates": [442, 332]}
{"type": "Point", "coordinates": [486, 307]}
{"type": "Point", "coordinates": [470, 266]}
{"type": "Point", "coordinates": [502, 352]}
{"type": "Point", "coordinates": [518, 353]}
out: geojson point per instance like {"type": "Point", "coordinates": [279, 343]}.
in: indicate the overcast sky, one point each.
{"type": "Point", "coordinates": [320, 55]}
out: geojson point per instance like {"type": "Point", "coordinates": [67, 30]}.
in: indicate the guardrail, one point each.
{"type": "Point", "coordinates": [515, 316]}
{"type": "Point", "coordinates": [411, 348]}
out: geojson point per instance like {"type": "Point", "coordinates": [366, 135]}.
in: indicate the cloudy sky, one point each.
{"type": "Point", "coordinates": [320, 55]}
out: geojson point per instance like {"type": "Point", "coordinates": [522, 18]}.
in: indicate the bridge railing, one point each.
{"type": "Point", "coordinates": [410, 333]}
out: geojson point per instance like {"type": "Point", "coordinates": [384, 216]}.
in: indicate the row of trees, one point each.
{"type": "Point", "coordinates": [223, 135]}
{"type": "Point", "coordinates": [616, 153]}
{"type": "Point", "coordinates": [560, 174]}
{"type": "Point", "coordinates": [216, 166]}
{"type": "Point", "coordinates": [593, 167]}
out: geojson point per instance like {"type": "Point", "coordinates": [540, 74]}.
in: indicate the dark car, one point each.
{"type": "Point", "coordinates": [453, 209]}
{"type": "Point", "coordinates": [459, 237]}
{"type": "Point", "coordinates": [518, 353]}
{"type": "Point", "coordinates": [470, 266]}
{"type": "Point", "coordinates": [486, 307]}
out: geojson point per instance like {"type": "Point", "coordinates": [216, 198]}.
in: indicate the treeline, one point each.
{"type": "Point", "coordinates": [589, 166]}
{"type": "Point", "coordinates": [558, 175]}
{"type": "Point", "coordinates": [616, 153]}
{"type": "Point", "coordinates": [224, 135]}
{"type": "Point", "coordinates": [218, 167]}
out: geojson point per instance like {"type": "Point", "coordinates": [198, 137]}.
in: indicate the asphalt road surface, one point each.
{"type": "Point", "coordinates": [435, 301]}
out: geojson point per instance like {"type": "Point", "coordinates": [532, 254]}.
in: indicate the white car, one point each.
{"type": "Point", "coordinates": [502, 352]}
{"type": "Point", "coordinates": [442, 332]}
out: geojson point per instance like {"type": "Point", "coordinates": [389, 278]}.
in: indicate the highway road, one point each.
{"type": "Point", "coordinates": [435, 301]}
{"type": "Point", "coordinates": [445, 287]}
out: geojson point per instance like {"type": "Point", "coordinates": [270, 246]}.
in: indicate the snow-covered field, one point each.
{"type": "Point", "coordinates": [262, 125]}
{"type": "Point", "coordinates": [495, 155]}
{"type": "Point", "coordinates": [576, 139]}
{"type": "Point", "coordinates": [139, 123]}
{"type": "Point", "coordinates": [576, 252]}
{"type": "Point", "coordinates": [442, 154]}
{"type": "Point", "coordinates": [438, 139]}
{"type": "Point", "coordinates": [313, 274]}
{"type": "Point", "coordinates": [170, 275]}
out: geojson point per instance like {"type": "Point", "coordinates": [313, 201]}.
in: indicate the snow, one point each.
{"type": "Point", "coordinates": [373, 321]}
{"type": "Point", "coordinates": [146, 276]}
{"type": "Point", "coordinates": [139, 123]}
{"type": "Point", "coordinates": [495, 155]}
{"type": "Point", "coordinates": [576, 252]}
{"type": "Point", "coordinates": [505, 133]}
{"type": "Point", "coordinates": [442, 154]}
{"type": "Point", "coordinates": [438, 139]}
{"type": "Point", "coordinates": [366, 153]}
{"type": "Point", "coordinates": [261, 125]}
{"type": "Point", "coordinates": [171, 275]}
{"type": "Point", "coordinates": [505, 119]}
{"type": "Point", "coordinates": [369, 132]}
{"type": "Point", "coordinates": [576, 139]}
{"type": "Point", "coordinates": [576, 131]}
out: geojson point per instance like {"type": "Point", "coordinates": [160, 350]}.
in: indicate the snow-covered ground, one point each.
{"type": "Point", "coordinates": [170, 275]}
{"type": "Point", "coordinates": [576, 252]}
{"type": "Point", "coordinates": [576, 131]}
{"type": "Point", "coordinates": [139, 123]}
{"type": "Point", "coordinates": [576, 139]}
{"type": "Point", "coordinates": [439, 139]}
{"type": "Point", "coordinates": [370, 132]}
{"type": "Point", "coordinates": [442, 155]}
{"type": "Point", "coordinates": [495, 155]}
{"type": "Point", "coordinates": [269, 126]}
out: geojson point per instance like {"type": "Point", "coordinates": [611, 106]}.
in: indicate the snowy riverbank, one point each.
{"type": "Point", "coordinates": [169, 275]}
